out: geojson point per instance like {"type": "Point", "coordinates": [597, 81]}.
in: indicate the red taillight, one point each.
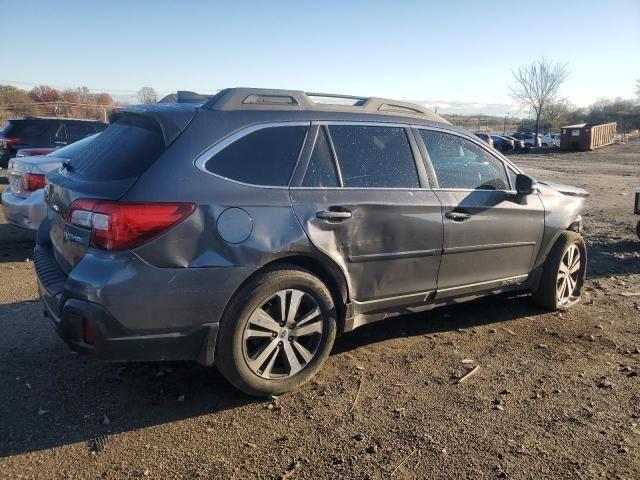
{"type": "Point", "coordinates": [11, 140]}
{"type": "Point", "coordinates": [122, 226]}
{"type": "Point", "coordinates": [32, 182]}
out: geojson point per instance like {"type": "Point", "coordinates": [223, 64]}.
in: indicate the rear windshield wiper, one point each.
{"type": "Point", "coordinates": [66, 164]}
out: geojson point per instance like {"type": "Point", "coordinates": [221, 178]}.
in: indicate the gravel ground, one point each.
{"type": "Point", "coordinates": [554, 395]}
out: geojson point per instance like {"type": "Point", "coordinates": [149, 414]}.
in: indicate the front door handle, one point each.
{"type": "Point", "coordinates": [457, 216]}
{"type": "Point", "coordinates": [334, 215]}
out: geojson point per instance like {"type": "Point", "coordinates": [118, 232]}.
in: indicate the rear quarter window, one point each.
{"type": "Point", "coordinates": [127, 148]}
{"type": "Point", "coordinates": [263, 157]}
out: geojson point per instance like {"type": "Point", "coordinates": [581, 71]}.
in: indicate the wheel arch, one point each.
{"type": "Point", "coordinates": [328, 272]}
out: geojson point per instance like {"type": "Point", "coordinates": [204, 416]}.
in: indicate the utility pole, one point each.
{"type": "Point", "coordinates": [506, 119]}
{"type": "Point", "coordinates": [479, 117]}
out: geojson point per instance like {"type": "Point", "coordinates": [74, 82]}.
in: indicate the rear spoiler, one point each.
{"type": "Point", "coordinates": [185, 96]}
{"type": "Point", "coordinates": [172, 118]}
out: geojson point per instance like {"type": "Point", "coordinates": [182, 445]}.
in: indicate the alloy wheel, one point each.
{"type": "Point", "coordinates": [568, 274]}
{"type": "Point", "coordinates": [283, 334]}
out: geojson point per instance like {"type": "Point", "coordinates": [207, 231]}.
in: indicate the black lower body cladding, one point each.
{"type": "Point", "coordinates": [119, 308]}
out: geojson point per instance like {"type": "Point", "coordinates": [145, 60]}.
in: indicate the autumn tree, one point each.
{"type": "Point", "coordinates": [536, 85]}
{"type": "Point", "coordinates": [44, 93]}
{"type": "Point", "coordinates": [147, 95]}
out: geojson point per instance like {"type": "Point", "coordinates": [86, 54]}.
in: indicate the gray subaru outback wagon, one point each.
{"type": "Point", "coordinates": [250, 229]}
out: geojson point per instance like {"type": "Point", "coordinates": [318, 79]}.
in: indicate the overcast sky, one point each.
{"type": "Point", "coordinates": [458, 54]}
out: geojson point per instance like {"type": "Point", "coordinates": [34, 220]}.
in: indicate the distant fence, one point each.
{"type": "Point", "coordinates": [55, 109]}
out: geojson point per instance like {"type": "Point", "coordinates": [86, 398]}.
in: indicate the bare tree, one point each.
{"type": "Point", "coordinates": [537, 84]}
{"type": "Point", "coordinates": [147, 95]}
{"type": "Point", "coordinates": [638, 88]}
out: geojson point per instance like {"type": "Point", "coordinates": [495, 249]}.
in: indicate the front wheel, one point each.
{"type": "Point", "coordinates": [277, 332]}
{"type": "Point", "coordinates": [563, 273]}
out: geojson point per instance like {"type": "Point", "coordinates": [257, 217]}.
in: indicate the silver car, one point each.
{"type": "Point", "coordinates": [23, 201]}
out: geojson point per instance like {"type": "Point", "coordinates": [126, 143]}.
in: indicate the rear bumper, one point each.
{"type": "Point", "coordinates": [110, 343]}
{"type": "Point", "coordinates": [133, 311]}
{"type": "Point", "coordinates": [24, 212]}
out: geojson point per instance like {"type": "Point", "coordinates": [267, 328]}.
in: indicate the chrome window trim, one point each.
{"type": "Point", "coordinates": [201, 160]}
{"type": "Point", "coordinates": [328, 123]}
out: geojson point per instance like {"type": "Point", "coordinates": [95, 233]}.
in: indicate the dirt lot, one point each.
{"type": "Point", "coordinates": [555, 396]}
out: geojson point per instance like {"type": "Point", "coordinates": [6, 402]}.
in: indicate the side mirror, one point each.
{"type": "Point", "coordinates": [525, 184]}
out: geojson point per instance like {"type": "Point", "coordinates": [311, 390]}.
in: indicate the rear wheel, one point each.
{"type": "Point", "coordinates": [563, 274]}
{"type": "Point", "coordinates": [277, 332]}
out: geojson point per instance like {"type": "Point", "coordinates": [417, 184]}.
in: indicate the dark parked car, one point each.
{"type": "Point", "coordinates": [248, 231]}
{"type": "Point", "coordinates": [517, 143]}
{"type": "Point", "coordinates": [36, 132]}
{"type": "Point", "coordinates": [486, 137]}
{"type": "Point", "coordinates": [503, 144]}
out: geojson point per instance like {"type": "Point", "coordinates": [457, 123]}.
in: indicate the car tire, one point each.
{"type": "Point", "coordinates": [561, 282]}
{"type": "Point", "coordinates": [261, 358]}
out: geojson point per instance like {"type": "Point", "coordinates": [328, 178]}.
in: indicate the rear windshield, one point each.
{"type": "Point", "coordinates": [24, 128]}
{"type": "Point", "coordinates": [127, 148]}
{"type": "Point", "coordinates": [71, 151]}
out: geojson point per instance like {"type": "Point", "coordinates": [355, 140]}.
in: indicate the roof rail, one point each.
{"type": "Point", "coordinates": [233, 99]}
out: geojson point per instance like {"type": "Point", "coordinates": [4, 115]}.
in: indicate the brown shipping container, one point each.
{"type": "Point", "coordinates": [587, 136]}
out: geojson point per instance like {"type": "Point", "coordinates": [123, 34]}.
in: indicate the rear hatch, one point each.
{"type": "Point", "coordinates": [20, 167]}
{"type": "Point", "coordinates": [105, 171]}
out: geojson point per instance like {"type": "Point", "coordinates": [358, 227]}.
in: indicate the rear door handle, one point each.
{"type": "Point", "coordinates": [457, 216]}
{"type": "Point", "coordinates": [334, 215]}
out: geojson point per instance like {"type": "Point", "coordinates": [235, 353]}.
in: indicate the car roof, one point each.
{"type": "Point", "coordinates": [261, 99]}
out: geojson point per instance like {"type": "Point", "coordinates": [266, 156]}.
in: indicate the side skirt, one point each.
{"type": "Point", "coordinates": [363, 313]}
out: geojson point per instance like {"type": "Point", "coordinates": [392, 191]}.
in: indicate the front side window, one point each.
{"type": "Point", "coordinates": [374, 157]}
{"type": "Point", "coordinates": [264, 157]}
{"type": "Point", "coordinates": [459, 163]}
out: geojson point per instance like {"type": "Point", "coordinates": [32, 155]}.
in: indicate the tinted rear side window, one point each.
{"type": "Point", "coordinates": [321, 171]}
{"type": "Point", "coordinates": [264, 157]}
{"type": "Point", "coordinates": [127, 148]}
{"type": "Point", "coordinates": [374, 157]}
